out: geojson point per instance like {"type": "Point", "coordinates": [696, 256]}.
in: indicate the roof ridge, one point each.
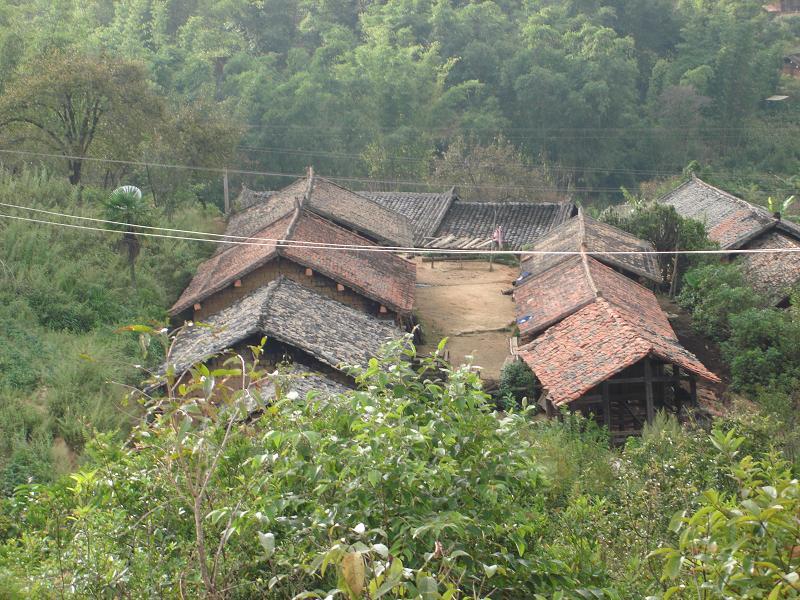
{"type": "Point", "coordinates": [749, 205]}
{"type": "Point", "coordinates": [584, 256]}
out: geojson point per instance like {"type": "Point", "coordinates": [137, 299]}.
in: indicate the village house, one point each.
{"type": "Point", "coordinates": [288, 235]}
{"type": "Point", "coordinates": [443, 221]}
{"type": "Point", "coordinates": [317, 335]}
{"type": "Point", "coordinates": [599, 343]}
{"type": "Point", "coordinates": [791, 63]}
{"type": "Point", "coordinates": [584, 234]}
{"type": "Point", "coordinates": [735, 224]}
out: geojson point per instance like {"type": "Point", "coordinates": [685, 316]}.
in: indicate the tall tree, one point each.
{"type": "Point", "coordinates": [66, 100]}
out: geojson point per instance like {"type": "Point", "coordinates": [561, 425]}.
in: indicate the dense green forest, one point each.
{"type": "Point", "coordinates": [594, 93]}
{"type": "Point", "coordinates": [412, 487]}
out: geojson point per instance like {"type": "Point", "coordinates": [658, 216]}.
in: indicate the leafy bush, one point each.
{"type": "Point", "coordinates": [713, 293]}
{"type": "Point", "coordinates": [517, 381]}
{"type": "Point", "coordinates": [742, 544]}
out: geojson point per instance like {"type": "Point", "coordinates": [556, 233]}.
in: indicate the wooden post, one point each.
{"type": "Point", "coordinates": [225, 192]}
{"type": "Point", "coordinates": [676, 386]}
{"type": "Point", "coordinates": [693, 388]}
{"type": "Point", "coordinates": [648, 390]}
{"type": "Point", "coordinates": [606, 406]}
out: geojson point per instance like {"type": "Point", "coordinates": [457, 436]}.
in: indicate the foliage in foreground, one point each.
{"type": "Point", "coordinates": [411, 487]}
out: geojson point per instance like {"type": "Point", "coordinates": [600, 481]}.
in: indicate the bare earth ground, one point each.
{"type": "Point", "coordinates": [463, 303]}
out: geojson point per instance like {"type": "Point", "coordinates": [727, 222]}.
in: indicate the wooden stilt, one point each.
{"type": "Point", "coordinates": [648, 390]}
{"type": "Point", "coordinates": [606, 406]}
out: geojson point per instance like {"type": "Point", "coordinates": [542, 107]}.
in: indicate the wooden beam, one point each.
{"type": "Point", "coordinates": [654, 379]}
{"type": "Point", "coordinates": [606, 406]}
{"type": "Point", "coordinates": [676, 386]}
{"type": "Point", "coordinates": [648, 390]}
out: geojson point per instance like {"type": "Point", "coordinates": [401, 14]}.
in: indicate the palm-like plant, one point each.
{"type": "Point", "coordinates": [775, 207]}
{"type": "Point", "coordinates": [128, 211]}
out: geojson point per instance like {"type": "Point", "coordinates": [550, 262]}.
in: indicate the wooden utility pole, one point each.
{"type": "Point", "coordinates": [225, 192]}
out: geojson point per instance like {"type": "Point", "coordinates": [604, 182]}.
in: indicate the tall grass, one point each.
{"type": "Point", "coordinates": [64, 293]}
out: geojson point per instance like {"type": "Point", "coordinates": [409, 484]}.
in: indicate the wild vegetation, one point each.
{"type": "Point", "coordinates": [588, 92]}
{"type": "Point", "coordinates": [418, 485]}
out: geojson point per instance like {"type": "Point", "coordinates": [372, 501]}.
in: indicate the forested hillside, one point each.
{"type": "Point", "coordinates": [596, 93]}
{"type": "Point", "coordinates": [417, 484]}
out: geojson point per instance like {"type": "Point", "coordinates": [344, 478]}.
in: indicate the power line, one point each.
{"type": "Point", "coordinates": [355, 248]}
{"type": "Point", "coordinates": [423, 184]}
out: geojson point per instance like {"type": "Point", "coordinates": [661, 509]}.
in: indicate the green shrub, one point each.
{"type": "Point", "coordinates": [713, 293]}
{"type": "Point", "coordinates": [517, 381]}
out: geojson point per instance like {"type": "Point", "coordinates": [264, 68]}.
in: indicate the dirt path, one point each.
{"type": "Point", "coordinates": [463, 302]}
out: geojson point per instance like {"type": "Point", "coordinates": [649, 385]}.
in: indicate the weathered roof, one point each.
{"type": "Point", "coordinates": [595, 237]}
{"type": "Point", "coordinates": [772, 274]}
{"type": "Point", "coordinates": [382, 276]}
{"type": "Point", "coordinates": [424, 210]}
{"type": "Point", "coordinates": [594, 344]}
{"type": "Point", "coordinates": [596, 322]}
{"type": "Point", "coordinates": [301, 379]}
{"type": "Point", "coordinates": [471, 224]}
{"type": "Point", "coordinates": [567, 286]}
{"type": "Point", "coordinates": [323, 328]}
{"type": "Point", "coordinates": [231, 262]}
{"type": "Point", "coordinates": [342, 206]}
{"type": "Point", "coordinates": [729, 221]}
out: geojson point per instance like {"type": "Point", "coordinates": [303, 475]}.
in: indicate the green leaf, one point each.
{"type": "Point", "coordinates": [490, 570]}
{"type": "Point", "coordinates": [427, 588]}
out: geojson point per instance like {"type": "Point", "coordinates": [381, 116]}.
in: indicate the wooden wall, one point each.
{"type": "Point", "coordinates": [281, 266]}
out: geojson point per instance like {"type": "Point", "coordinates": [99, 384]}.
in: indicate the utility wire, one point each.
{"type": "Point", "coordinates": [222, 170]}
{"type": "Point", "coordinates": [353, 248]}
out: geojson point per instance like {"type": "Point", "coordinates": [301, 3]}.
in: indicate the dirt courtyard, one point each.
{"type": "Point", "coordinates": [462, 301]}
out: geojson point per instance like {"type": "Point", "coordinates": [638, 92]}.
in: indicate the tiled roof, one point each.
{"type": "Point", "coordinates": [424, 210]}
{"type": "Point", "coordinates": [729, 221]}
{"type": "Point", "coordinates": [594, 344]}
{"type": "Point", "coordinates": [594, 237]}
{"type": "Point", "coordinates": [772, 274]}
{"type": "Point", "coordinates": [382, 276]}
{"type": "Point", "coordinates": [522, 222]}
{"type": "Point", "coordinates": [327, 199]}
{"type": "Point", "coordinates": [232, 262]}
{"type": "Point", "coordinates": [301, 379]}
{"type": "Point", "coordinates": [325, 329]}
{"type": "Point", "coordinates": [571, 284]}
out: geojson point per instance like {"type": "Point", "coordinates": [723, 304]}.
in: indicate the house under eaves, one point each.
{"type": "Point", "coordinates": [295, 244]}
{"type": "Point", "coordinates": [315, 333]}
{"type": "Point", "coordinates": [599, 343]}
{"type": "Point", "coordinates": [736, 224]}
{"type": "Point", "coordinates": [599, 240]}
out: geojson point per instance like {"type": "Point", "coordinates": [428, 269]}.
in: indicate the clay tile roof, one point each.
{"type": "Point", "coordinates": [522, 222]}
{"type": "Point", "coordinates": [773, 275]}
{"type": "Point", "coordinates": [729, 221]}
{"type": "Point", "coordinates": [424, 210]}
{"type": "Point", "coordinates": [572, 283]}
{"type": "Point", "coordinates": [369, 218]}
{"type": "Point", "coordinates": [232, 262]}
{"type": "Point", "coordinates": [597, 342]}
{"type": "Point", "coordinates": [383, 276]}
{"type": "Point", "coordinates": [323, 328]}
{"type": "Point", "coordinates": [340, 205]}
{"type": "Point", "coordinates": [595, 237]}
{"type": "Point", "coordinates": [301, 379]}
